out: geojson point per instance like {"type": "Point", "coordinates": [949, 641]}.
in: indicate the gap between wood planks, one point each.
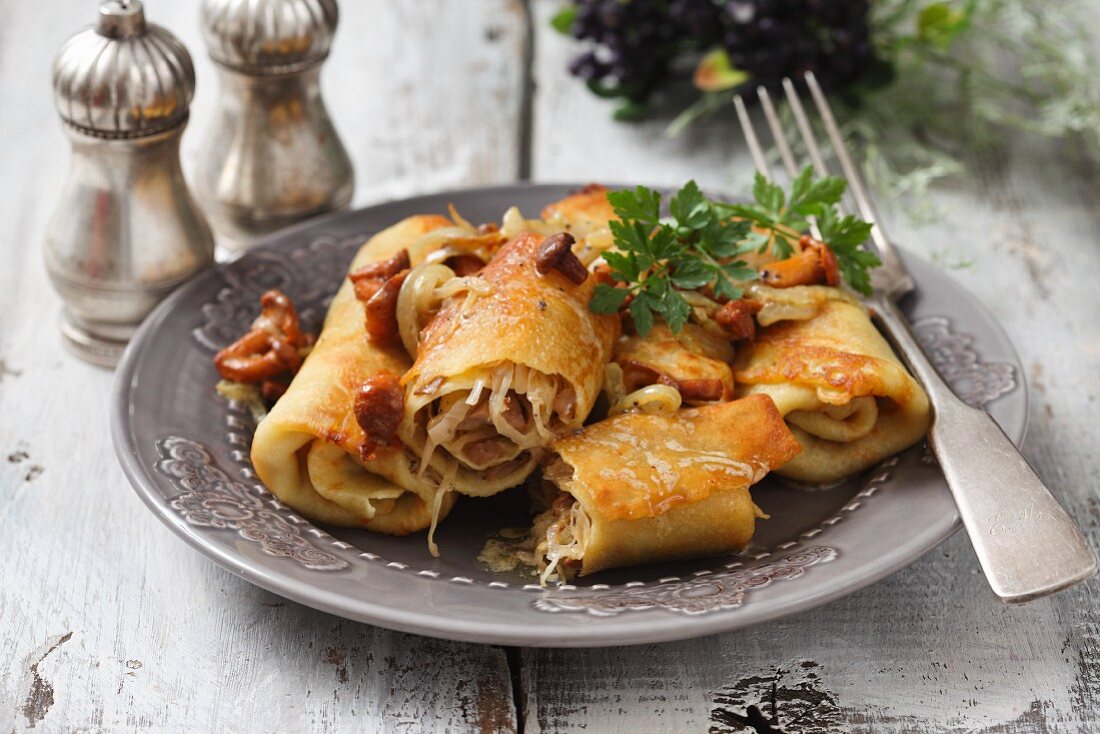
{"type": "Point", "coordinates": [514, 658]}
{"type": "Point", "coordinates": [525, 138]}
{"type": "Point", "coordinates": [525, 144]}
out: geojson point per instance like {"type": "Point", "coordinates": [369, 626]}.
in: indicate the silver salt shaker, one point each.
{"type": "Point", "coordinates": [126, 230]}
{"type": "Point", "coordinates": [272, 156]}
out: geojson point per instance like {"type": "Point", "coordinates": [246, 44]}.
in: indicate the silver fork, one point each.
{"type": "Point", "coordinates": [1041, 551]}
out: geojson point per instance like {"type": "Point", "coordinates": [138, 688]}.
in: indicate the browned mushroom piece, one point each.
{"type": "Point", "coordinates": [272, 348]}
{"type": "Point", "coordinates": [736, 318]}
{"type": "Point", "coordinates": [381, 310]}
{"type": "Point", "coordinates": [816, 264]}
{"type": "Point", "coordinates": [379, 407]}
{"type": "Point", "coordinates": [556, 253]}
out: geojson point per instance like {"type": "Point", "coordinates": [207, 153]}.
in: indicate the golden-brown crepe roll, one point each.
{"type": "Point", "coordinates": [307, 449]}
{"type": "Point", "coordinates": [585, 214]}
{"type": "Point", "coordinates": [838, 384]}
{"type": "Point", "coordinates": [581, 213]}
{"type": "Point", "coordinates": [641, 488]}
{"type": "Point", "coordinates": [694, 361]}
{"type": "Point", "coordinates": [501, 373]}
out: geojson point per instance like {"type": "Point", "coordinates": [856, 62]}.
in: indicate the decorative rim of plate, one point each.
{"type": "Point", "coordinates": [422, 623]}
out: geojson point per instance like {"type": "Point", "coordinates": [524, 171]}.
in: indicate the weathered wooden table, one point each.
{"type": "Point", "coordinates": [107, 622]}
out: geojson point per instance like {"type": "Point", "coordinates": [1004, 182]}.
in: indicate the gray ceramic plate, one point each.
{"type": "Point", "coordinates": [186, 452]}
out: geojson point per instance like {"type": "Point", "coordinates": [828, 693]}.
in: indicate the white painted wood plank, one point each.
{"type": "Point", "coordinates": [576, 139]}
{"type": "Point", "coordinates": [107, 622]}
{"type": "Point", "coordinates": [928, 649]}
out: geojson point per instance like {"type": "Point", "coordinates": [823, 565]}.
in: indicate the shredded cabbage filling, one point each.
{"type": "Point", "coordinates": [511, 411]}
{"type": "Point", "coordinates": [563, 532]}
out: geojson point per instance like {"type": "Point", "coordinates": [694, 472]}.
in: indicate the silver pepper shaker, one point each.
{"type": "Point", "coordinates": [272, 156]}
{"type": "Point", "coordinates": [126, 230]}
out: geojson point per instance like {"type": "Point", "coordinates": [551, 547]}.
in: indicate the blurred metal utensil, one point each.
{"type": "Point", "coordinates": [126, 230]}
{"type": "Point", "coordinates": [270, 155]}
{"type": "Point", "coordinates": [1027, 545]}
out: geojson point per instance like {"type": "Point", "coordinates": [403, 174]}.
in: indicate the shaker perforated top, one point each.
{"type": "Point", "coordinates": [269, 36]}
{"type": "Point", "coordinates": [123, 77]}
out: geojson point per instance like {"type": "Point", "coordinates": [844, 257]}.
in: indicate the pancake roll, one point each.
{"type": "Point", "coordinates": [644, 488]}
{"type": "Point", "coordinates": [847, 398]}
{"type": "Point", "coordinates": [310, 450]}
{"type": "Point", "coordinates": [500, 373]}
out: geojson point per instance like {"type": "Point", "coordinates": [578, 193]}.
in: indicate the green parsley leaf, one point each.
{"type": "Point", "coordinates": [607, 298]}
{"type": "Point", "coordinates": [845, 237]}
{"type": "Point", "coordinates": [641, 312]}
{"type": "Point", "coordinates": [691, 274]}
{"type": "Point", "coordinates": [690, 208]}
{"type": "Point", "coordinates": [641, 205]}
{"type": "Point", "coordinates": [855, 265]}
{"type": "Point", "coordinates": [769, 196]}
{"type": "Point", "coordinates": [725, 238]}
{"type": "Point", "coordinates": [699, 244]}
{"type": "Point", "coordinates": [839, 231]}
{"type": "Point", "coordinates": [723, 288]}
{"type": "Point", "coordinates": [624, 266]}
{"type": "Point", "coordinates": [675, 310]}
{"type": "Point", "coordinates": [808, 195]}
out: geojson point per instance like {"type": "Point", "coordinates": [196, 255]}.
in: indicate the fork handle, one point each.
{"type": "Point", "coordinates": [1027, 545]}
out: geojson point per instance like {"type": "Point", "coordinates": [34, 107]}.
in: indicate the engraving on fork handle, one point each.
{"type": "Point", "coordinates": [1004, 522]}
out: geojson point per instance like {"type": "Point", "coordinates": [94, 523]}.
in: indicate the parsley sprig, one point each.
{"type": "Point", "coordinates": [700, 243]}
{"type": "Point", "coordinates": [780, 219]}
{"type": "Point", "coordinates": [657, 258]}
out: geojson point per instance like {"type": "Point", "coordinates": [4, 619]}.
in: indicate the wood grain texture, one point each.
{"type": "Point", "coordinates": [576, 139]}
{"type": "Point", "coordinates": [929, 649]}
{"type": "Point", "coordinates": [108, 622]}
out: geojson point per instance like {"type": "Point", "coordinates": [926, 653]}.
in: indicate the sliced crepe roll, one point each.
{"type": "Point", "coordinates": [309, 449]}
{"type": "Point", "coordinates": [838, 384]}
{"type": "Point", "coordinates": [694, 362]}
{"type": "Point", "coordinates": [641, 488]}
{"type": "Point", "coordinates": [498, 376]}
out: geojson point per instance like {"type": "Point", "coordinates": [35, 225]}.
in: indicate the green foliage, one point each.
{"type": "Point", "coordinates": [700, 243]}
{"type": "Point", "coordinates": [786, 217]}
{"type": "Point", "coordinates": [939, 23]}
{"type": "Point", "coordinates": [562, 21]}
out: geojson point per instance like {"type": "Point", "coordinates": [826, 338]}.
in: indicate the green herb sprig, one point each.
{"type": "Point", "coordinates": [700, 243]}
{"type": "Point", "coordinates": [657, 257]}
{"type": "Point", "coordinates": [784, 217]}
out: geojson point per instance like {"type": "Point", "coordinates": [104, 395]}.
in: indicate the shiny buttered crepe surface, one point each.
{"type": "Point", "coordinates": [307, 449]}
{"type": "Point", "coordinates": [521, 363]}
{"type": "Point", "coordinates": [693, 354]}
{"type": "Point", "coordinates": [663, 487]}
{"type": "Point", "coordinates": [583, 212]}
{"type": "Point", "coordinates": [840, 387]}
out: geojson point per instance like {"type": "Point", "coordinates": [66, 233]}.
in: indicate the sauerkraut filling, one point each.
{"type": "Point", "coordinates": [652, 399]}
{"type": "Point", "coordinates": [562, 531]}
{"type": "Point", "coordinates": [508, 415]}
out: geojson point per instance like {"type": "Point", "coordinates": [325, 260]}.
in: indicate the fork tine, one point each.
{"type": "Point", "coordinates": [855, 180]}
{"type": "Point", "coordinates": [747, 130]}
{"type": "Point", "coordinates": [780, 138]}
{"type": "Point", "coordinates": [777, 131]}
{"type": "Point", "coordinates": [805, 128]}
